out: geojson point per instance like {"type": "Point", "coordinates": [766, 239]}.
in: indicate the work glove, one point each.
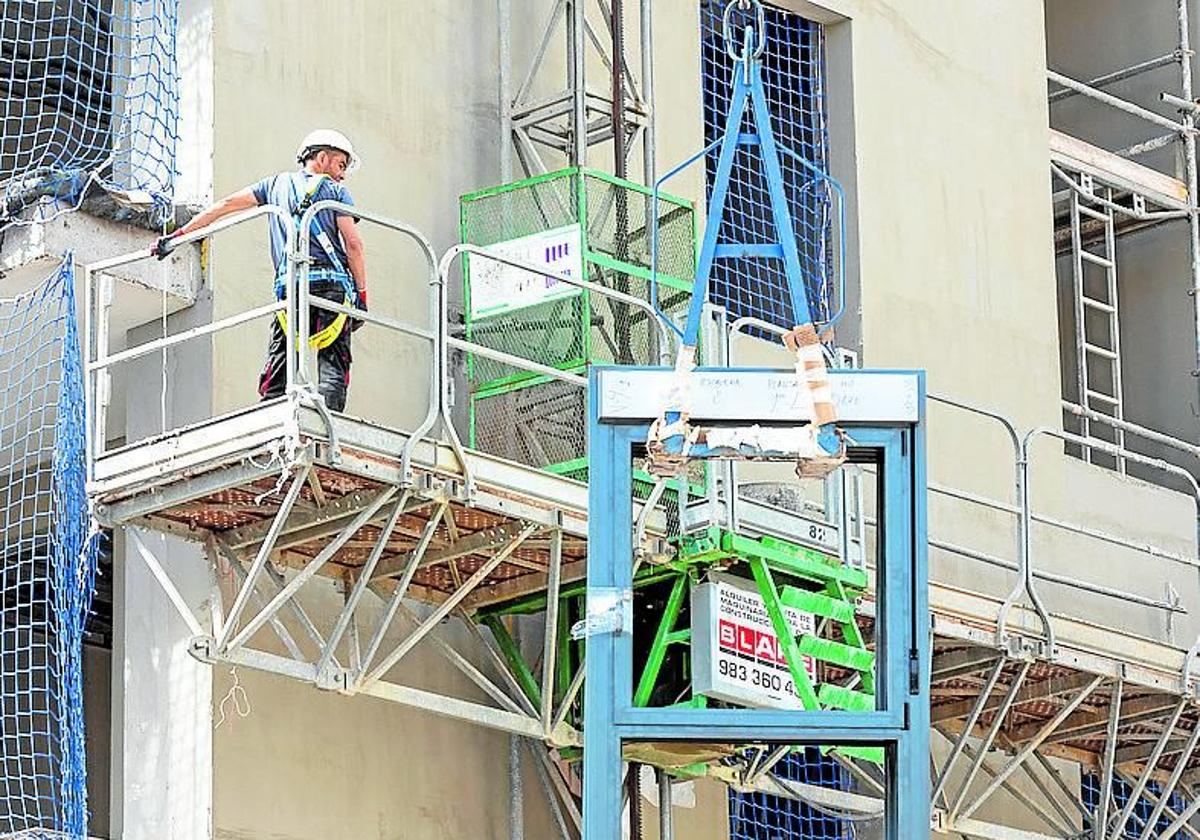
{"type": "Point", "coordinates": [360, 302]}
{"type": "Point", "coordinates": [163, 246]}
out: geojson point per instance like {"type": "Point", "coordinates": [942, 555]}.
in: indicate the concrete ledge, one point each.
{"type": "Point", "coordinates": [29, 252]}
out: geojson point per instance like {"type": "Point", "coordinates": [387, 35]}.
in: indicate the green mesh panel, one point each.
{"type": "Point", "coordinates": [515, 210]}
{"type": "Point", "coordinates": [616, 226]}
{"type": "Point", "coordinates": [550, 333]}
{"type": "Point", "coordinates": [521, 415]}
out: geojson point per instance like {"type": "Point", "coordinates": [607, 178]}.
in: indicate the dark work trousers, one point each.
{"type": "Point", "coordinates": [333, 362]}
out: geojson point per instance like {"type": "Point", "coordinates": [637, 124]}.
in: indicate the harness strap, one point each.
{"type": "Point", "coordinates": [318, 233]}
{"type": "Point", "coordinates": [301, 202]}
{"type": "Point", "coordinates": [322, 338]}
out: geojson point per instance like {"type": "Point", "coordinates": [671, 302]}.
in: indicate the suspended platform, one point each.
{"type": "Point", "coordinates": [465, 534]}
{"type": "Point", "coordinates": [220, 479]}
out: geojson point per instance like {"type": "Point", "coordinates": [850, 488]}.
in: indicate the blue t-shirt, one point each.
{"type": "Point", "coordinates": [287, 190]}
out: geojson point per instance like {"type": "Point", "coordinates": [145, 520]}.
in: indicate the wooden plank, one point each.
{"type": "Point", "coordinates": [1073, 153]}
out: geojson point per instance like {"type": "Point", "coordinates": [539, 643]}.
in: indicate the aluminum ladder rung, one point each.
{"type": "Point", "coordinates": [1098, 304]}
{"type": "Point", "coordinates": [1088, 256]}
{"type": "Point", "coordinates": [1084, 210]}
{"type": "Point", "coordinates": [1110, 367]}
{"type": "Point", "coordinates": [1100, 351]}
{"type": "Point", "coordinates": [1102, 397]}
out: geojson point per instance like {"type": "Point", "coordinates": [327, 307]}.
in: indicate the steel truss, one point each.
{"type": "Point", "coordinates": [579, 115]}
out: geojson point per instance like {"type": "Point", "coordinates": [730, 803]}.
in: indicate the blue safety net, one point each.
{"type": "Point", "coordinates": [760, 816]}
{"type": "Point", "coordinates": [89, 93]}
{"type": "Point", "coordinates": [47, 563]}
{"type": "Point", "coordinates": [1136, 826]}
{"type": "Point", "coordinates": [794, 79]}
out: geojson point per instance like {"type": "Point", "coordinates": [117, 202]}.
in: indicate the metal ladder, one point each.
{"type": "Point", "coordinates": [1097, 323]}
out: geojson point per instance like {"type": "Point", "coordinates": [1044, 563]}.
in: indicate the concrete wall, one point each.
{"type": "Point", "coordinates": [303, 763]}
{"type": "Point", "coordinates": [194, 52]}
{"type": "Point", "coordinates": [161, 768]}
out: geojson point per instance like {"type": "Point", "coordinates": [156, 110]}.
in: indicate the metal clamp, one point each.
{"type": "Point", "coordinates": [307, 396]}
{"type": "Point", "coordinates": [1023, 648]}
{"type": "Point", "coordinates": [334, 678]}
{"type": "Point", "coordinates": [1191, 687]}
{"type": "Point", "coordinates": [608, 611]}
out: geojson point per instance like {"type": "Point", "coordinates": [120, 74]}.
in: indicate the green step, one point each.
{"type": "Point", "coordinates": [792, 548]}
{"type": "Point", "coordinates": [836, 697]}
{"type": "Point", "coordinates": [817, 604]}
{"type": "Point", "coordinates": [798, 562]}
{"type": "Point", "coordinates": [847, 699]}
{"type": "Point", "coordinates": [836, 653]}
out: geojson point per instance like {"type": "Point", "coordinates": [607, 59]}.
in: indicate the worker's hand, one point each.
{"type": "Point", "coordinates": [360, 302]}
{"type": "Point", "coordinates": [163, 246]}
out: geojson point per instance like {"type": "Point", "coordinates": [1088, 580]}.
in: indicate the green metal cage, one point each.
{"type": "Point", "coordinates": [601, 225]}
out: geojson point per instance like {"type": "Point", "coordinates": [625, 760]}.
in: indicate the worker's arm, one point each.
{"type": "Point", "coordinates": [232, 203]}
{"type": "Point", "coordinates": [241, 200]}
{"type": "Point", "coordinates": [355, 254]}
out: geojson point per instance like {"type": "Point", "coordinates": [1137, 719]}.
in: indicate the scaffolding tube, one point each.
{"type": "Point", "coordinates": [1118, 75]}
{"type": "Point", "coordinates": [1115, 101]}
{"type": "Point", "coordinates": [1189, 156]}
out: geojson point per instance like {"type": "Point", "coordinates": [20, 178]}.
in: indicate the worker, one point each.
{"type": "Point", "coordinates": [337, 271]}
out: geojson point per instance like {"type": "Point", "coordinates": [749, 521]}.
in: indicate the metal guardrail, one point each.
{"type": "Point", "coordinates": [99, 362]}
{"type": "Point", "coordinates": [1022, 508]}
{"type": "Point", "coordinates": [300, 356]}
{"type": "Point", "coordinates": [438, 404]}
{"type": "Point", "coordinates": [98, 298]}
{"type": "Point", "coordinates": [1026, 516]}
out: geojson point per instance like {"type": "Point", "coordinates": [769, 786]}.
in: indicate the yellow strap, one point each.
{"type": "Point", "coordinates": [320, 340]}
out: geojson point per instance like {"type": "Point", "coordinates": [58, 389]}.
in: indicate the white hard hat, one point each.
{"type": "Point", "coordinates": [327, 138]}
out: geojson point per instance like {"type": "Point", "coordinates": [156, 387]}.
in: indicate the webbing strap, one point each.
{"type": "Point", "coordinates": [302, 204]}
{"type": "Point", "coordinates": [322, 338]}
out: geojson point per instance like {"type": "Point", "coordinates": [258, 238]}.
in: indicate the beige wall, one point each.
{"type": "Point", "coordinates": [305, 763]}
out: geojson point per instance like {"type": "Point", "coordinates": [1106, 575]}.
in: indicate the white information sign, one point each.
{"type": "Point", "coordinates": [497, 288]}
{"type": "Point", "coordinates": [736, 655]}
{"type": "Point", "coordinates": [759, 395]}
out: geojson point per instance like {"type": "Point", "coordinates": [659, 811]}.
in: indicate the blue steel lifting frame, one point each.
{"type": "Point", "coordinates": [901, 722]}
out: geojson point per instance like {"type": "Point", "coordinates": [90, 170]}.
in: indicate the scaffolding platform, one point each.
{"type": "Point", "coordinates": [1107, 700]}
{"type": "Point", "coordinates": [1121, 193]}
{"type": "Point", "coordinates": [222, 479]}
{"type": "Point", "coordinates": [1077, 155]}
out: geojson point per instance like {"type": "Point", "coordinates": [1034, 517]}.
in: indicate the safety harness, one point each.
{"type": "Point", "coordinates": [337, 272]}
